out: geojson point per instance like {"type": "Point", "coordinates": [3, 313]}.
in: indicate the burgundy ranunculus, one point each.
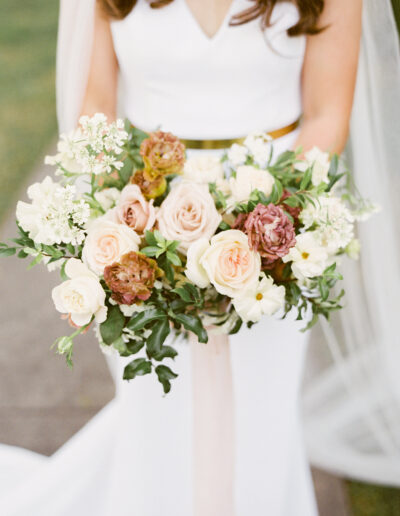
{"type": "Point", "coordinates": [131, 280]}
{"type": "Point", "coordinates": [163, 154]}
{"type": "Point", "coordinates": [294, 211]}
{"type": "Point", "coordinates": [270, 232]}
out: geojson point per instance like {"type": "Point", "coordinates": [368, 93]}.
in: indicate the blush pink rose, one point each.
{"type": "Point", "coordinates": [187, 214]}
{"type": "Point", "coordinates": [106, 242]}
{"type": "Point", "coordinates": [230, 264]}
{"type": "Point", "coordinates": [134, 211]}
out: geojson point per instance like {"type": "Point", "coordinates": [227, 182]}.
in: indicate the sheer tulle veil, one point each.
{"type": "Point", "coordinates": [352, 390]}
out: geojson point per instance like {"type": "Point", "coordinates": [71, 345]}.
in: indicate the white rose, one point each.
{"type": "Point", "coordinates": [250, 178]}
{"type": "Point", "coordinates": [106, 243]}
{"type": "Point", "coordinates": [194, 271]}
{"type": "Point", "coordinates": [107, 197]}
{"type": "Point", "coordinates": [308, 257]}
{"type": "Point", "coordinates": [187, 214]}
{"type": "Point", "coordinates": [237, 154]}
{"type": "Point", "coordinates": [203, 168]}
{"type": "Point", "coordinates": [230, 264]}
{"type": "Point", "coordinates": [320, 163]}
{"type": "Point", "coordinates": [266, 298]}
{"type": "Point", "coordinates": [82, 296]}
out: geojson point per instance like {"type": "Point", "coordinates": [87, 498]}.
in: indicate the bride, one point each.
{"type": "Point", "coordinates": [227, 439]}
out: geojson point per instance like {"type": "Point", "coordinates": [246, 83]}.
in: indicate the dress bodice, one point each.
{"type": "Point", "coordinates": [175, 77]}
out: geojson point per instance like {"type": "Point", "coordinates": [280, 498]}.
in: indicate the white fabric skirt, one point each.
{"type": "Point", "coordinates": [135, 458]}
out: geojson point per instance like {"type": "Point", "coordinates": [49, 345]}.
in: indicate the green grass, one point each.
{"type": "Point", "coordinates": [369, 500]}
{"type": "Point", "coordinates": [396, 10]}
{"type": "Point", "coordinates": [28, 31]}
{"type": "Point", "coordinates": [27, 114]}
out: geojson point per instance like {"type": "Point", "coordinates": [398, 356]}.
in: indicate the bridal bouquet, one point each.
{"type": "Point", "coordinates": [149, 243]}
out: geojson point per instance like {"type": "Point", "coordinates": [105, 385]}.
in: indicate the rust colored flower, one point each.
{"type": "Point", "coordinates": [132, 279]}
{"type": "Point", "coordinates": [294, 211]}
{"type": "Point", "coordinates": [150, 189]}
{"type": "Point", "coordinates": [270, 232]}
{"type": "Point", "coordinates": [163, 154]}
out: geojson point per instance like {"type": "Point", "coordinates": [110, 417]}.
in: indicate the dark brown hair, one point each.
{"type": "Point", "coordinates": [310, 11]}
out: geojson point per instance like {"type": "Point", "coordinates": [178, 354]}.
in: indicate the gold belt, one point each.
{"type": "Point", "coordinates": [224, 144]}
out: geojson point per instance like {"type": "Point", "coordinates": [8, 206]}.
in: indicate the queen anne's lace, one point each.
{"type": "Point", "coordinates": [91, 149]}
{"type": "Point", "coordinates": [332, 220]}
{"type": "Point", "coordinates": [53, 216]}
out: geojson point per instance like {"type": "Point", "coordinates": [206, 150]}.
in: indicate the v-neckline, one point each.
{"type": "Point", "coordinates": [199, 27]}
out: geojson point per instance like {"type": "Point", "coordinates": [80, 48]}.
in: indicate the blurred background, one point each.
{"type": "Point", "coordinates": [42, 402]}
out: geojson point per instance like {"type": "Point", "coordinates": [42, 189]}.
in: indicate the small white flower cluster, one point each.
{"type": "Point", "coordinates": [53, 216]}
{"type": "Point", "coordinates": [256, 144]}
{"type": "Point", "coordinates": [333, 222]}
{"type": "Point", "coordinates": [92, 149]}
{"type": "Point", "coordinates": [320, 163]}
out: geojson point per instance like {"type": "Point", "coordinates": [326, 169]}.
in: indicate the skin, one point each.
{"type": "Point", "coordinates": [328, 79]}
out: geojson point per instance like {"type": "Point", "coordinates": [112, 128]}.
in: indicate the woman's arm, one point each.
{"type": "Point", "coordinates": [101, 90]}
{"type": "Point", "coordinates": [329, 75]}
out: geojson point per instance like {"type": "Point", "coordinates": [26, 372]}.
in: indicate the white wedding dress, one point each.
{"type": "Point", "coordinates": [138, 456]}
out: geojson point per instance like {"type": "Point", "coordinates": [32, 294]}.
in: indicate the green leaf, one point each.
{"type": "Point", "coordinates": [167, 268]}
{"type": "Point", "coordinates": [63, 274]}
{"type": "Point", "coordinates": [173, 245]}
{"type": "Point", "coordinates": [121, 347]}
{"type": "Point", "coordinates": [333, 168]}
{"type": "Point", "coordinates": [22, 254]}
{"type": "Point", "coordinates": [7, 251]}
{"type": "Point", "coordinates": [306, 179]}
{"type": "Point", "coordinates": [165, 352]}
{"type": "Point", "coordinates": [165, 374]}
{"type": "Point", "coordinates": [127, 169]}
{"type": "Point", "coordinates": [183, 294]}
{"type": "Point", "coordinates": [292, 201]}
{"type": "Point", "coordinates": [150, 250]}
{"type": "Point", "coordinates": [323, 288]}
{"type": "Point", "coordinates": [111, 329]}
{"type": "Point", "coordinates": [236, 327]}
{"type": "Point", "coordinates": [193, 323]}
{"type": "Point", "coordinates": [18, 241]}
{"type": "Point", "coordinates": [140, 320]}
{"type": "Point", "coordinates": [312, 323]}
{"type": "Point", "coordinates": [150, 238]}
{"type": "Point", "coordinates": [34, 262]}
{"type": "Point", "coordinates": [334, 180]}
{"type": "Point", "coordinates": [157, 338]}
{"type": "Point", "coordinates": [138, 367]}
{"type": "Point", "coordinates": [134, 346]}
{"type": "Point", "coordinates": [284, 157]}
{"type": "Point", "coordinates": [277, 191]}
{"type": "Point", "coordinates": [174, 258]}
{"type": "Point", "coordinates": [224, 226]}
{"type": "Point", "coordinates": [159, 238]}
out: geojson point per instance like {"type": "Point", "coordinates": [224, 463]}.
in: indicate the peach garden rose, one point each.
{"type": "Point", "coordinates": [187, 214]}
{"type": "Point", "coordinates": [229, 263]}
{"type": "Point", "coordinates": [106, 242]}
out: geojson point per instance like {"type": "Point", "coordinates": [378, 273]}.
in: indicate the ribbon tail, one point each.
{"type": "Point", "coordinates": [213, 419]}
